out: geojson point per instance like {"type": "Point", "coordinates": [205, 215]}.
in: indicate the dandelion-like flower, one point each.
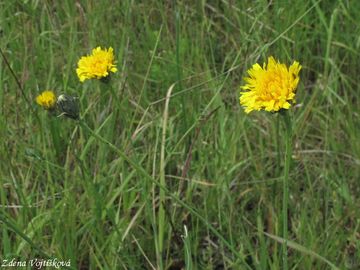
{"type": "Point", "coordinates": [97, 65]}
{"type": "Point", "coordinates": [271, 87]}
{"type": "Point", "coordinates": [47, 100]}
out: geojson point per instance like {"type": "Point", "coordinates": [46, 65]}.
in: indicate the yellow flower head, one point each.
{"type": "Point", "coordinates": [97, 65]}
{"type": "Point", "coordinates": [271, 87]}
{"type": "Point", "coordinates": [47, 100]}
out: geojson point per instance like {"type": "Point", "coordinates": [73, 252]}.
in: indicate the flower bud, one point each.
{"type": "Point", "coordinates": [68, 106]}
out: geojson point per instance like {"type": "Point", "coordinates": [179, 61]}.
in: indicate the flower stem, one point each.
{"type": "Point", "coordinates": [288, 149]}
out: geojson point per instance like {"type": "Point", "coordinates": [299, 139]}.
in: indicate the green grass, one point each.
{"type": "Point", "coordinates": [196, 184]}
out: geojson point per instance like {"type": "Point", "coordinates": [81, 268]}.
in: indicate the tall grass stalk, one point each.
{"type": "Point", "coordinates": [162, 169]}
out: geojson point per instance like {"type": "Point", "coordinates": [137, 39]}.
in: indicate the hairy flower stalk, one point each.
{"type": "Point", "coordinates": [288, 151]}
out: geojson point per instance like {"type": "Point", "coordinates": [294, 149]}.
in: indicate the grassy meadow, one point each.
{"type": "Point", "coordinates": [166, 170]}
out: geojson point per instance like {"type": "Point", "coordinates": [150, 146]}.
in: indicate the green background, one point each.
{"type": "Point", "coordinates": [66, 194]}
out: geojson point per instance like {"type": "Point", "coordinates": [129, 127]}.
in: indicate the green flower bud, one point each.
{"type": "Point", "coordinates": [68, 106]}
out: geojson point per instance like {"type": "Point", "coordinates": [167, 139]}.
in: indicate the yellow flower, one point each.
{"type": "Point", "coordinates": [97, 65]}
{"type": "Point", "coordinates": [271, 87]}
{"type": "Point", "coordinates": [46, 99]}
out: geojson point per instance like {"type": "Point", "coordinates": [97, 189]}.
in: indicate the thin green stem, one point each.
{"type": "Point", "coordinates": [178, 66]}
{"type": "Point", "coordinates": [56, 136]}
{"type": "Point", "coordinates": [288, 135]}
